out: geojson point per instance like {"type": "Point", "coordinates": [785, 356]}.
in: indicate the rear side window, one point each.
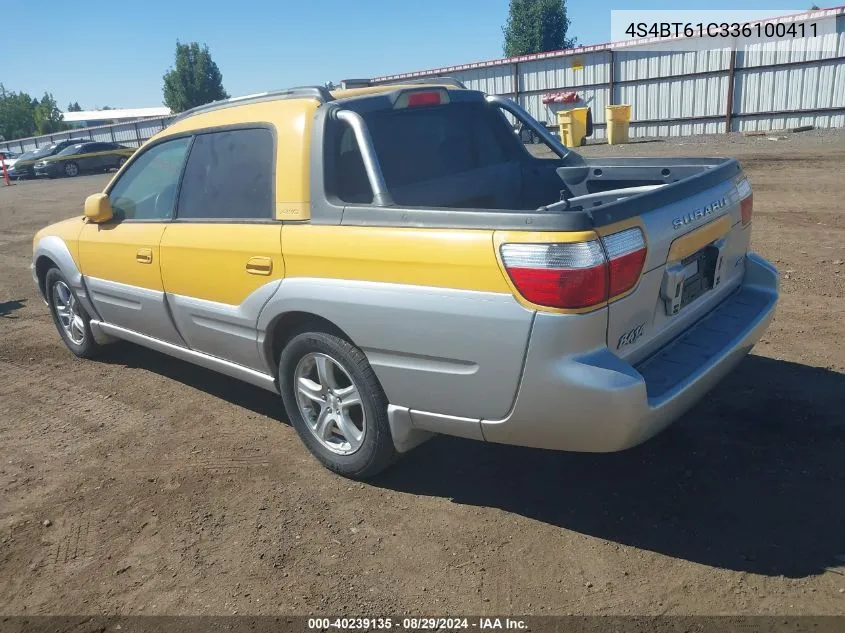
{"type": "Point", "coordinates": [229, 176]}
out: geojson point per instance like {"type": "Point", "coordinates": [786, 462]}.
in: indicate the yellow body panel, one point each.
{"type": "Point", "coordinates": [220, 262]}
{"type": "Point", "coordinates": [125, 252]}
{"type": "Point", "coordinates": [68, 230]}
{"type": "Point", "coordinates": [699, 238]}
{"type": "Point", "coordinates": [445, 258]}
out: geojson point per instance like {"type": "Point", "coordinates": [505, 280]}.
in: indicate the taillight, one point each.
{"type": "Point", "coordinates": [558, 275]}
{"type": "Point", "coordinates": [746, 201]}
{"type": "Point", "coordinates": [576, 275]}
{"type": "Point", "coordinates": [626, 253]}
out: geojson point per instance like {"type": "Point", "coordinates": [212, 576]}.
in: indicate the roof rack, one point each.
{"type": "Point", "coordinates": [365, 83]}
{"type": "Point", "coordinates": [315, 92]}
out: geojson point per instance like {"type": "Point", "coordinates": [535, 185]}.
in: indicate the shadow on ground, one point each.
{"type": "Point", "coordinates": [752, 479]}
{"type": "Point", "coordinates": [7, 308]}
{"type": "Point", "coordinates": [235, 391]}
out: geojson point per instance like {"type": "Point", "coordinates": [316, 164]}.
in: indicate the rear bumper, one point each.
{"type": "Point", "coordinates": [597, 402]}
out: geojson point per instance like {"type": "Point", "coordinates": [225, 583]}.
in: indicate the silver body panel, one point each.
{"type": "Point", "coordinates": [133, 308]}
{"type": "Point", "coordinates": [222, 330]}
{"type": "Point", "coordinates": [594, 401]}
{"type": "Point", "coordinates": [644, 306]}
{"type": "Point", "coordinates": [55, 249]}
{"type": "Point", "coordinates": [453, 352]}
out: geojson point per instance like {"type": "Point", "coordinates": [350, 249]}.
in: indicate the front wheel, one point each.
{"type": "Point", "coordinates": [336, 404]}
{"type": "Point", "coordinates": [71, 319]}
{"type": "Point", "coordinates": [71, 169]}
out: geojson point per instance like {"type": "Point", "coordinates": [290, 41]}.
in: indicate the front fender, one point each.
{"type": "Point", "coordinates": [56, 250]}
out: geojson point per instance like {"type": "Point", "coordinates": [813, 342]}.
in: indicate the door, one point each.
{"type": "Point", "coordinates": [96, 157]}
{"type": "Point", "coordinates": [221, 257]}
{"type": "Point", "coordinates": [120, 259]}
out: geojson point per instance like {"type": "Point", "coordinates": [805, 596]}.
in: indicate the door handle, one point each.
{"type": "Point", "coordinates": [259, 266]}
{"type": "Point", "coordinates": [144, 255]}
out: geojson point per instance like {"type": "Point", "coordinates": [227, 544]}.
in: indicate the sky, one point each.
{"type": "Point", "coordinates": [114, 53]}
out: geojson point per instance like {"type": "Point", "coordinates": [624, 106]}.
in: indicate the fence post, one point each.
{"type": "Point", "coordinates": [729, 106]}
{"type": "Point", "coordinates": [137, 134]}
{"type": "Point", "coordinates": [611, 98]}
{"type": "Point", "coordinates": [111, 129]}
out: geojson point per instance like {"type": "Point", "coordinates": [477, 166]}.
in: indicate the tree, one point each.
{"type": "Point", "coordinates": [536, 26]}
{"type": "Point", "coordinates": [47, 116]}
{"type": "Point", "coordinates": [194, 80]}
{"type": "Point", "coordinates": [74, 107]}
{"type": "Point", "coordinates": [17, 114]}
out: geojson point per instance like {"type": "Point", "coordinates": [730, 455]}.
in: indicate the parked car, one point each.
{"type": "Point", "coordinates": [83, 157]}
{"type": "Point", "coordinates": [394, 263]}
{"type": "Point", "coordinates": [9, 158]}
{"type": "Point", "coordinates": [25, 165]}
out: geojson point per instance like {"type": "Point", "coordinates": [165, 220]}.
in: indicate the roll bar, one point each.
{"type": "Point", "coordinates": [539, 129]}
{"type": "Point", "coordinates": [381, 196]}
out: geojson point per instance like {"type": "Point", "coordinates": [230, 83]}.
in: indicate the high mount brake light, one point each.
{"type": "Point", "coordinates": [579, 274]}
{"type": "Point", "coordinates": [423, 99]}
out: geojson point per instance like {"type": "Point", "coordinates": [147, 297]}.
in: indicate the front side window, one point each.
{"type": "Point", "coordinates": [229, 176]}
{"type": "Point", "coordinates": [147, 189]}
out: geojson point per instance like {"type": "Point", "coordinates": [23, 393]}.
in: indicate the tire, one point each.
{"type": "Point", "coordinates": [121, 162]}
{"type": "Point", "coordinates": [65, 308]}
{"type": "Point", "coordinates": [71, 169]}
{"type": "Point", "coordinates": [323, 414]}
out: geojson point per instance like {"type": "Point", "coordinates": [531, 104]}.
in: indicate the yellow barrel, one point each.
{"type": "Point", "coordinates": [618, 123]}
{"type": "Point", "coordinates": [573, 126]}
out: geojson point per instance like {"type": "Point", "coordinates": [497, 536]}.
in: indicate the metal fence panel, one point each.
{"type": "Point", "coordinates": [653, 61]}
{"type": "Point", "coordinates": [676, 98]}
{"type": "Point", "coordinates": [568, 72]}
{"type": "Point", "coordinates": [812, 87]}
{"type": "Point", "coordinates": [496, 80]}
{"type": "Point", "coordinates": [123, 133]}
{"type": "Point", "coordinates": [767, 53]}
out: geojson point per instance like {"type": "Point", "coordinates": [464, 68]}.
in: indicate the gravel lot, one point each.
{"type": "Point", "coordinates": [171, 490]}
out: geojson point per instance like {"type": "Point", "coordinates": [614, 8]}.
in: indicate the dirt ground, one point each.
{"type": "Point", "coordinates": [172, 490]}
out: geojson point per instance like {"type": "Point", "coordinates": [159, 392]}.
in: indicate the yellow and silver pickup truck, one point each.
{"type": "Point", "coordinates": [394, 263]}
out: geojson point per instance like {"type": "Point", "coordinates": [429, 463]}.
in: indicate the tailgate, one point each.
{"type": "Point", "coordinates": [695, 258]}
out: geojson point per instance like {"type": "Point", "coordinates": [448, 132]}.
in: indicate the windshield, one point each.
{"type": "Point", "coordinates": [72, 149]}
{"type": "Point", "coordinates": [44, 151]}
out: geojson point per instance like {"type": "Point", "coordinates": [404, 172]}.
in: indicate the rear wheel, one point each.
{"type": "Point", "coordinates": [71, 319]}
{"type": "Point", "coordinates": [71, 169]}
{"type": "Point", "coordinates": [336, 404]}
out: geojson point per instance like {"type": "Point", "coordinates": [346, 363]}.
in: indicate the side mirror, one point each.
{"type": "Point", "coordinates": [98, 208]}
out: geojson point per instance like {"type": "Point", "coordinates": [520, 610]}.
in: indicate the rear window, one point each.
{"type": "Point", "coordinates": [420, 145]}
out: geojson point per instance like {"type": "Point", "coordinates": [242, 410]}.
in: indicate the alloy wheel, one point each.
{"type": "Point", "coordinates": [67, 309]}
{"type": "Point", "coordinates": [330, 403]}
